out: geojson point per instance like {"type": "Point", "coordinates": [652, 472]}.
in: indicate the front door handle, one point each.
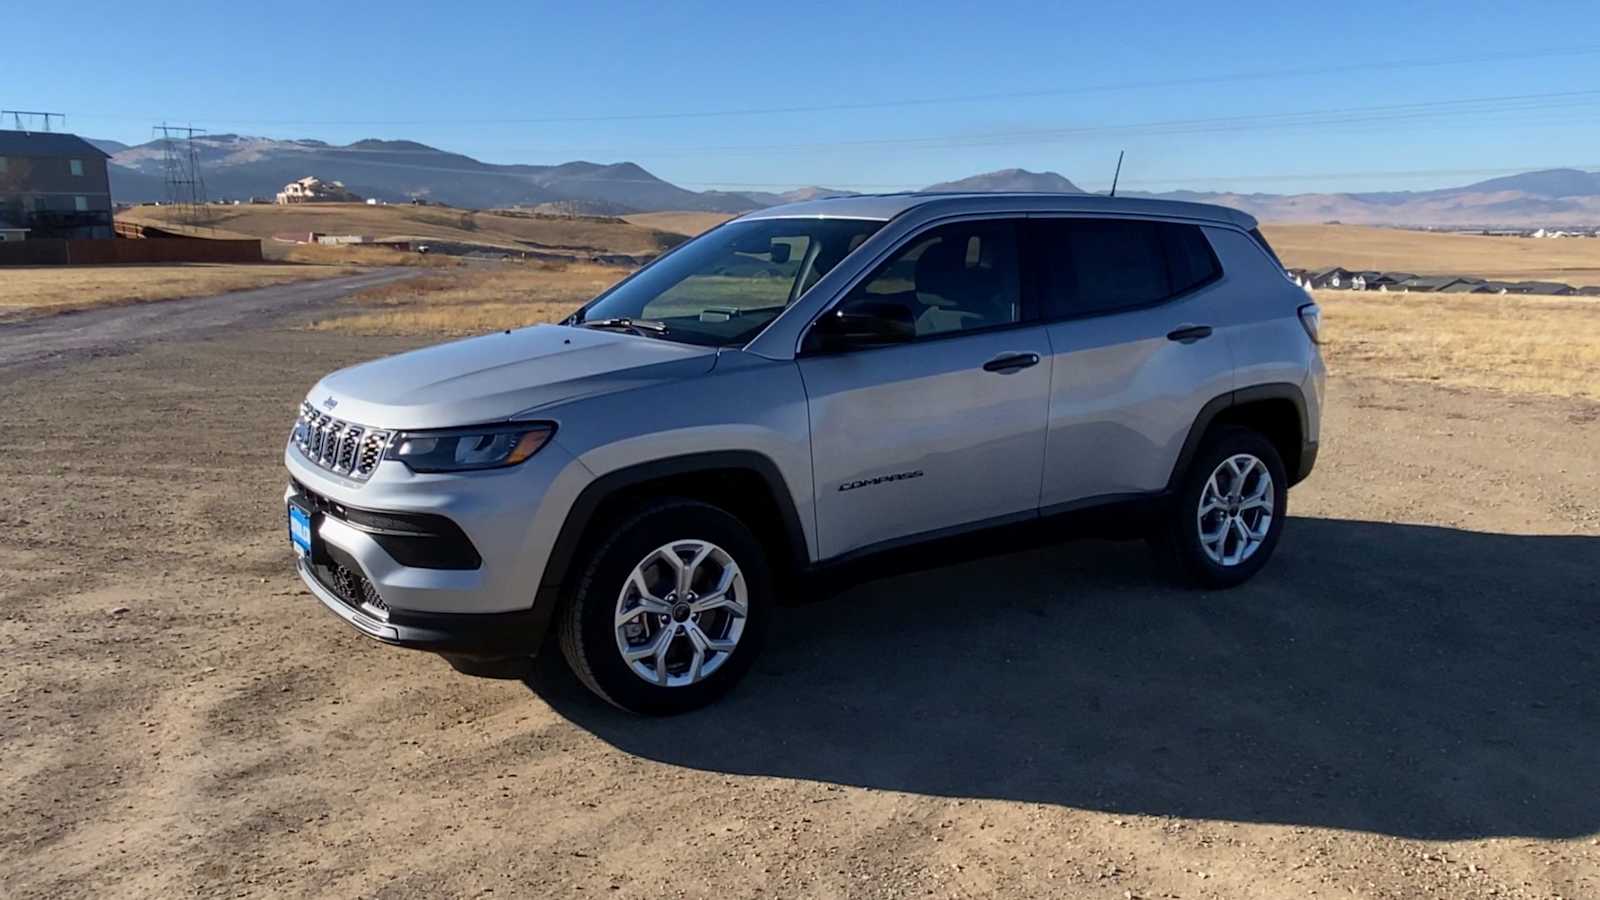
{"type": "Point", "coordinates": [1011, 362]}
{"type": "Point", "coordinates": [1188, 334]}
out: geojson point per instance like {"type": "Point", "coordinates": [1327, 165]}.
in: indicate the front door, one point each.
{"type": "Point", "coordinates": [943, 430]}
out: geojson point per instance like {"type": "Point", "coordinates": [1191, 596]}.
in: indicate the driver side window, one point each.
{"type": "Point", "coordinates": [954, 278]}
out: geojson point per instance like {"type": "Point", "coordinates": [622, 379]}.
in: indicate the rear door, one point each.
{"type": "Point", "coordinates": [1136, 326]}
{"type": "Point", "coordinates": [948, 429]}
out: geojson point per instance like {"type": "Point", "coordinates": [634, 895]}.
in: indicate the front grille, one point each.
{"type": "Point", "coordinates": [341, 447]}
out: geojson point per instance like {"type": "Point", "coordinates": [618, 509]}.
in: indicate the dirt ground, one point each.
{"type": "Point", "coordinates": [1401, 705]}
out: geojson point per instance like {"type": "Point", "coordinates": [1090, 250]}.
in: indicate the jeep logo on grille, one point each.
{"type": "Point", "coordinates": [330, 403]}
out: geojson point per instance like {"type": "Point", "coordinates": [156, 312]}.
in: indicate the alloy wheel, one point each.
{"type": "Point", "coordinates": [680, 613]}
{"type": "Point", "coordinates": [1235, 511]}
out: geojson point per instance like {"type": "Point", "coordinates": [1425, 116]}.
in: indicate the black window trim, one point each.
{"type": "Point", "coordinates": [1028, 283]}
{"type": "Point", "coordinates": [1036, 262]}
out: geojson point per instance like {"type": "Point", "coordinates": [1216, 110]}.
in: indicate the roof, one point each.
{"type": "Point", "coordinates": [47, 143]}
{"type": "Point", "coordinates": [883, 207]}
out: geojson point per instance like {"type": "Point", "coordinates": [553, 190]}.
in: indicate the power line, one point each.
{"type": "Point", "coordinates": [1078, 90]}
{"type": "Point", "coordinates": [1454, 108]}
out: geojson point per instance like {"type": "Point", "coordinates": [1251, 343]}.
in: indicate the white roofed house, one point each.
{"type": "Point", "coordinates": [312, 189]}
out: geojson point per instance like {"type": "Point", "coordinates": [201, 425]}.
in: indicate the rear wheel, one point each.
{"type": "Point", "coordinates": [1225, 520]}
{"type": "Point", "coordinates": [670, 610]}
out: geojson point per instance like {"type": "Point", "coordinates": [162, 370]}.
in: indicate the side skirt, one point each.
{"type": "Point", "coordinates": [1114, 516]}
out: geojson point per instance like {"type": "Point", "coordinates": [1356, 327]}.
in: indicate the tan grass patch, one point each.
{"type": "Point", "coordinates": [474, 299]}
{"type": "Point", "coordinates": [1573, 261]}
{"type": "Point", "coordinates": [28, 292]}
{"type": "Point", "coordinates": [1519, 344]}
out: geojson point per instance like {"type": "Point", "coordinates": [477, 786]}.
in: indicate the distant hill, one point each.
{"type": "Point", "coordinates": [1010, 180]}
{"type": "Point", "coordinates": [239, 166]}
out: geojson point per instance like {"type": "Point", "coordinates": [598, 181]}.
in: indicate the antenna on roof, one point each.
{"type": "Point", "coordinates": [1118, 173]}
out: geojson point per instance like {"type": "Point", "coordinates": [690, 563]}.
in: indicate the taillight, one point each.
{"type": "Point", "coordinates": [1311, 321]}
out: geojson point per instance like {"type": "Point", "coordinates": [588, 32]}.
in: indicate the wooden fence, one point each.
{"type": "Point", "coordinates": [53, 252]}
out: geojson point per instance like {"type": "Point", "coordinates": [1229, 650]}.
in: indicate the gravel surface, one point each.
{"type": "Point", "coordinates": [115, 329]}
{"type": "Point", "coordinates": [1402, 705]}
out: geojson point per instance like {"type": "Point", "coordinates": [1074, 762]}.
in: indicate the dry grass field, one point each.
{"type": "Point", "coordinates": [1573, 261]}
{"type": "Point", "coordinates": [688, 223]}
{"type": "Point", "coordinates": [506, 230]}
{"type": "Point", "coordinates": [473, 300]}
{"type": "Point", "coordinates": [1530, 345]}
{"type": "Point", "coordinates": [28, 292]}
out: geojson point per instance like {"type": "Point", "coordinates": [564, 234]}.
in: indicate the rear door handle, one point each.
{"type": "Point", "coordinates": [1188, 334]}
{"type": "Point", "coordinates": [1011, 362]}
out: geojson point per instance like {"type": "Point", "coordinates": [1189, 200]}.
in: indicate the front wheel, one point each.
{"type": "Point", "coordinates": [670, 610]}
{"type": "Point", "coordinates": [1227, 515]}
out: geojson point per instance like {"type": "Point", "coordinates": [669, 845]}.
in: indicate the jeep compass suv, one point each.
{"type": "Point", "coordinates": [799, 387]}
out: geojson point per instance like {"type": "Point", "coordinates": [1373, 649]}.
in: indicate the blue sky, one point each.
{"type": "Point", "coordinates": [1275, 96]}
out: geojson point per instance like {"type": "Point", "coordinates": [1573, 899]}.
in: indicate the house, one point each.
{"type": "Point", "coordinates": [312, 189]}
{"type": "Point", "coordinates": [1332, 277]}
{"type": "Point", "coordinates": [1493, 287]}
{"type": "Point", "coordinates": [1547, 288]}
{"type": "Point", "coordinates": [1588, 290]}
{"type": "Point", "coordinates": [1427, 284]}
{"type": "Point", "coordinates": [1387, 281]}
{"type": "Point", "coordinates": [54, 185]}
{"type": "Point", "coordinates": [1462, 286]}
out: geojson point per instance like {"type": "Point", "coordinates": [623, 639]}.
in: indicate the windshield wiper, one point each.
{"type": "Point", "coordinates": [635, 325]}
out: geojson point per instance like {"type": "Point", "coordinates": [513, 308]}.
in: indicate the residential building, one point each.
{"type": "Point", "coordinates": [1333, 277]}
{"type": "Point", "coordinates": [54, 185]}
{"type": "Point", "coordinates": [1387, 281]}
{"type": "Point", "coordinates": [312, 189]}
{"type": "Point", "coordinates": [1548, 288]}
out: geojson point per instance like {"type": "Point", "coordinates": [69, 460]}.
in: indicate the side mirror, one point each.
{"type": "Point", "coordinates": [863, 324]}
{"type": "Point", "coordinates": [780, 253]}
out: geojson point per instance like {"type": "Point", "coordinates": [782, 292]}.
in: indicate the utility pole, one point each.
{"type": "Point", "coordinates": [180, 165]}
{"type": "Point", "coordinates": [17, 114]}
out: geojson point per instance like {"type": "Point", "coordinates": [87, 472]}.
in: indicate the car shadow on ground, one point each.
{"type": "Point", "coordinates": [1401, 679]}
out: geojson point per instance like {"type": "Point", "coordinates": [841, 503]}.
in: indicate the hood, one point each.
{"type": "Point", "coordinates": [497, 376]}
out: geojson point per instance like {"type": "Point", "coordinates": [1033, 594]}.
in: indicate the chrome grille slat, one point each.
{"type": "Point", "coordinates": [341, 447]}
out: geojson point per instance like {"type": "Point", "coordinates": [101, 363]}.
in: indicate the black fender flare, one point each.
{"type": "Point", "coordinates": [1208, 414]}
{"type": "Point", "coordinates": [558, 566]}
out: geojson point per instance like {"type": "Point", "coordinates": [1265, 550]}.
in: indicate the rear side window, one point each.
{"type": "Point", "coordinates": [1098, 266]}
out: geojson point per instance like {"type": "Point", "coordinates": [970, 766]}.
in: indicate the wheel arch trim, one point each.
{"type": "Point", "coordinates": [590, 500]}
{"type": "Point", "coordinates": [1241, 397]}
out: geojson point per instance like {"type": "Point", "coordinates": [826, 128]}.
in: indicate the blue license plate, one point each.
{"type": "Point", "coordinates": [300, 530]}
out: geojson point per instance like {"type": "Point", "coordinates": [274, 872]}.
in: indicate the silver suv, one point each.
{"type": "Point", "coordinates": [801, 388]}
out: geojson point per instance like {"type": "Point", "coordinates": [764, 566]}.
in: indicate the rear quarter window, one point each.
{"type": "Point", "coordinates": [1100, 266]}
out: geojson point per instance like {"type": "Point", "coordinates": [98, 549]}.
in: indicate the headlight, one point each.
{"type": "Point", "coordinates": [464, 449]}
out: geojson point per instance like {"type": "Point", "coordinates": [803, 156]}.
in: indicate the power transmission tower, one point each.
{"type": "Point", "coordinates": [180, 166]}
{"type": "Point", "coordinates": [17, 114]}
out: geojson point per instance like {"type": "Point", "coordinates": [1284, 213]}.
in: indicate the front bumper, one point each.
{"type": "Point", "coordinates": [483, 635]}
{"type": "Point", "coordinates": [442, 563]}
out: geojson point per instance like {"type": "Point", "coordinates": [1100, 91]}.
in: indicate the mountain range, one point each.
{"type": "Point", "coordinates": [239, 167]}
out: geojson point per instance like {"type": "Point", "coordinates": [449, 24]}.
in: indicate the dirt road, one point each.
{"type": "Point", "coordinates": [1402, 705]}
{"type": "Point", "coordinates": [117, 328]}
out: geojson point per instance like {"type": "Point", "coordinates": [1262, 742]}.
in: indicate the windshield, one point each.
{"type": "Point", "coordinates": [725, 286]}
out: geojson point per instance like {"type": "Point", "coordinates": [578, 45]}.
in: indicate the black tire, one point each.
{"type": "Point", "coordinates": [588, 628]}
{"type": "Point", "coordinates": [1176, 534]}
